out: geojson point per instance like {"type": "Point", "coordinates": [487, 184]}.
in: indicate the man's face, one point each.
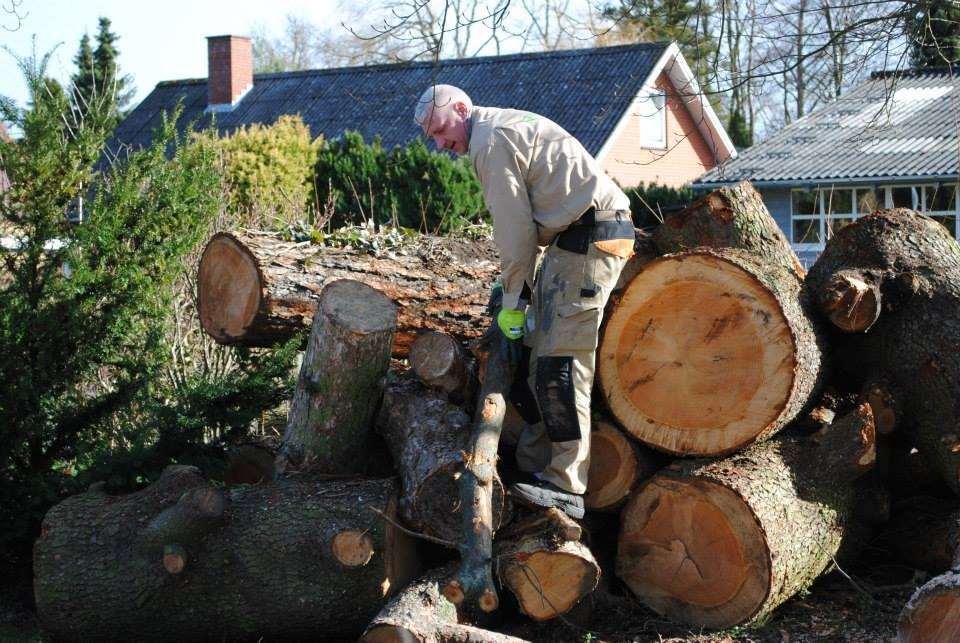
{"type": "Point", "coordinates": [447, 126]}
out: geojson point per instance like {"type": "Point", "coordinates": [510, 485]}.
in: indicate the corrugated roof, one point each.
{"type": "Point", "coordinates": [585, 91]}
{"type": "Point", "coordinates": [890, 126]}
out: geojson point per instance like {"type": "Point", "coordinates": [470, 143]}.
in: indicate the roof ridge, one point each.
{"type": "Point", "coordinates": [913, 72]}
{"type": "Point", "coordinates": [473, 60]}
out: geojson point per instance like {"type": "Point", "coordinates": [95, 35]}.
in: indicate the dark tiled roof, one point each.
{"type": "Point", "coordinates": [584, 90]}
{"type": "Point", "coordinates": [890, 126]}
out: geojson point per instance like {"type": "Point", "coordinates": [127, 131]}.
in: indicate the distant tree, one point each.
{"type": "Point", "coordinates": [98, 74]}
{"type": "Point", "coordinates": [934, 31]}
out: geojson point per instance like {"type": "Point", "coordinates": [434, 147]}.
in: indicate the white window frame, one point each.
{"type": "Point", "coordinates": [647, 117]}
{"type": "Point", "coordinates": [821, 215]}
{"type": "Point", "coordinates": [920, 191]}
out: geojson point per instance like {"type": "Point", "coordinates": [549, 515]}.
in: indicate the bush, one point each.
{"type": "Point", "coordinates": [409, 187]}
{"type": "Point", "coordinates": [268, 171]}
{"type": "Point", "coordinates": [650, 202]}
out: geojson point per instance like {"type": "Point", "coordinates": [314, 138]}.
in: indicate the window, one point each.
{"type": "Point", "coordinates": [651, 108]}
{"type": "Point", "coordinates": [818, 213]}
{"type": "Point", "coordinates": [937, 200]}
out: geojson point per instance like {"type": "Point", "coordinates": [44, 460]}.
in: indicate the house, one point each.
{"type": "Point", "coordinates": [890, 142]}
{"type": "Point", "coordinates": [636, 108]}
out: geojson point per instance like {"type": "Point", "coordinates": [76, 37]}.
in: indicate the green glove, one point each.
{"type": "Point", "coordinates": [511, 321]}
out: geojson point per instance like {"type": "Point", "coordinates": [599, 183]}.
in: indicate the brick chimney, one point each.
{"type": "Point", "coordinates": [230, 71]}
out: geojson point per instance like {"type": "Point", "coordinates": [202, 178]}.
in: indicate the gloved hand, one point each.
{"type": "Point", "coordinates": [511, 322]}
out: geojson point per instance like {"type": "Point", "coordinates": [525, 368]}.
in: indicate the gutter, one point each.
{"type": "Point", "coordinates": [863, 180]}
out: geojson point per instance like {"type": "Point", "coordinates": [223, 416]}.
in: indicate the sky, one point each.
{"type": "Point", "coordinates": [158, 40]}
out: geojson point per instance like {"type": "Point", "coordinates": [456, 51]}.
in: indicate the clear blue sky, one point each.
{"type": "Point", "coordinates": [158, 40]}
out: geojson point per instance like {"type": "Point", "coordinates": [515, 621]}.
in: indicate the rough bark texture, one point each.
{"type": "Point", "coordinates": [427, 436]}
{"type": "Point", "coordinates": [659, 346]}
{"type": "Point", "coordinates": [724, 542]}
{"type": "Point", "coordinates": [932, 615]}
{"type": "Point", "coordinates": [255, 289]}
{"type": "Point", "coordinates": [915, 343]}
{"type": "Point", "coordinates": [268, 570]}
{"type": "Point", "coordinates": [541, 561]}
{"type": "Point", "coordinates": [441, 362]}
{"type": "Point", "coordinates": [474, 581]}
{"type": "Point", "coordinates": [925, 532]}
{"type": "Point", "coordinates": [341, 379]}
{"type": "Point", "coordinates": [733, 217]}
{"type": "Point", "coordinates": [421, 614]}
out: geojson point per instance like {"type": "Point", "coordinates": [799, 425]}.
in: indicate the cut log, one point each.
{"type": "Point", "coordinates": [254, 289]}
{"type": "Point", "coordinates": [731, 217]}
{"type": "Point", "coordinates": [443, 364]}
{"type": "Point", "coordinates": [925, 532]}
{"type": "Point", "coordinates": [709, 351]}
{"type": "Point", "coordinates": [427, 436]}
{"type": "Point", "coordinates": [724, 542]}
{"type": "Point", "coordinates": [541, 561]}
{"type": "Point", "coordinates": [851, 302]}
{"type": "Point", "coordinates": [291, 560]}
{"type": "Point", "coordinates": [421, 614]}
{"type": "Point", "coordinates": [915, 343]}
{"type": "Point", "coordinates": [473, 584]}
{"type": "Point", "coordinates": [932, 615]}
{"type": "Point", "coordinates": [886, 406]}
{"type": "Point", "coordinates": [341, 379]}
{"type": "Point", "coordinates": [617, 466]}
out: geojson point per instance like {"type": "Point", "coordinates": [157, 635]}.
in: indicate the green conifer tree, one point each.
{"type": "Point", "coordinates": [82, 79]}
{"type": "Point", "coordinates": [934, 31]}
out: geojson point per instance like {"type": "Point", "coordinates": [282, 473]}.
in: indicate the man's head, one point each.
{"type": "Point", "coordinates": [443, 112]}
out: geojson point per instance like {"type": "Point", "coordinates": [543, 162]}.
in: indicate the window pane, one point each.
{"type": "Point", "coordinates": [838, 201]}
{"type": "Point", "coordinates": [941, 198]}
{"type": "Point", "coordinates": [653, 120]}
{"type": "Point", "coordinates": [834, 224]}
{"type": "Point", "coordinates": [903, 197]}
{"type": "Point", "coordinates": [805, 202]}
{"type": "Point", "coordinates": [949, 223]}
{"type": "Point", "coordinates": [869, 200]}
{"type": "Point", "coordinates": [806, 230]}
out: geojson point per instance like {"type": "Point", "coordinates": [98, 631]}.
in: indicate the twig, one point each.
{"type": "Point", "coordinates": [415, 534]}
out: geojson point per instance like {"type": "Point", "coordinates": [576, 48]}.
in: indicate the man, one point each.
{"type": "Point", "coordinates": [542, 188]}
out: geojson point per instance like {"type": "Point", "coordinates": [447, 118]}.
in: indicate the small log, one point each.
{"type": "Point", "coordinates": [419, 613]}
{"type": "Point", "coordinates": [851, 302]}
{"type": "Point", "coordinates": [887, 409]}
{"type": "Point", "coordinates": [709, 351]}
{"type": "Point", "coordinates": [174, 558]}
{"type": "Point", "coordinates": [340, 381]}
{"type": "Point", "coordinates": [718, 543]}
{"type": "Point", "coordinates": [255, 289]}
{"type": "Point", "coordinates": [295, 559]}
{"type": "Point", "coordinates": [617, 466]}
{"type": "Point", "coordinates": [932, 615]}
{"type": "Point", "coordinates": [444, 365]}
{"type": "Point", "coordinates": [427, 437]}
{"type": "Point", "coordinates": [474, 580]}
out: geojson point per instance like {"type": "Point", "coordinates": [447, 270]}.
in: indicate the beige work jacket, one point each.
{"type": "Point", "coordinates": [537, 179]}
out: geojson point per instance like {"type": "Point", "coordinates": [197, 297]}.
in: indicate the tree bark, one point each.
{"type": "Point", "coordinates": [421, 614]}
{"type": "Point", "coordinates": [254, 289]}
{"type": "Point", "coordinates": [915, 264]}
{"type": "Point", "coordinates": [427, 436]}
{"type": "Point", "coordinates": [710, 350]}
{"type": "Point", "coordinates": [341, 380]}
{"type": "Point", "coordinates": [441, 362]}
{"type": "Point", "coordinates": [541, 561]}
{"type": "Point", "coordinates": [925, 532]}
{"type": "Point", "coordinates": [724, 542]}
{"type": "Point", "coordinates": [617, 466]}
{"type": "Point", "coordinates": [293, 559]}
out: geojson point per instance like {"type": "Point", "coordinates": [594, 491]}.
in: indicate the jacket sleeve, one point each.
{"type": "Point", "coordinates": [514, 231]}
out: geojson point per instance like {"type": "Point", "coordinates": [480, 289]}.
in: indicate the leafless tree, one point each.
{"type": "Point", "coordinates": [13, 15]}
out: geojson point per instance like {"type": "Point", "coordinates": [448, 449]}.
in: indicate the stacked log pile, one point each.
{"type": "Point", "coordinates": [754, 425]}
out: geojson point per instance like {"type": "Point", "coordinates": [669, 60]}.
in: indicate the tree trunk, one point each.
{"type": "Point", "coordinates": [914, 263]}
{"type": "Point", "coordinates": [421, 614]}
{"type": "Point", "coordinates": [294, 559]}
{"type": "Point", "coordinates": [617, 465]}
{"type": "Point", "coordinates": [732, 217]}
{"type": "Point", "coordinates": [925, 532]}
{"type": "Point", "coordinates": [440, 362]}
{"type": "Point", "coordinates": [427, 436]}
{"type": "Point", "coordinates": [932, 615]}
{"type": "Point", "coordinates": [255, 289]}
{"type": "Point", "coordinates": [709, 351]}
{"type": "Point", "coordinates": [724, 542]}
{"type": "Point", "coordinates": [541, 561]}
{"type": "Point", "coordinates": [341, 380]}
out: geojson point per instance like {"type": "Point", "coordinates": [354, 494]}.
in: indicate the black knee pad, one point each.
{"type": "Point", "coordinates": [557, 398]}
{"type": "Point", "coordinates": [520, 393]}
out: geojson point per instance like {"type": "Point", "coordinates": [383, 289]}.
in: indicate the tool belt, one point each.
{"type": "Point", "coordinates": [595, 225]}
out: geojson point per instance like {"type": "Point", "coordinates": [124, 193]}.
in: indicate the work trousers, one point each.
{"type": "Point", "coordinates": [563, 321]}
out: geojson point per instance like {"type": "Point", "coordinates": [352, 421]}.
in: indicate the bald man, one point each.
{"type": "Point", "coordinates": [543, 189]}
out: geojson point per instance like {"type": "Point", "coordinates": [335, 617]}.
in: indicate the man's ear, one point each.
{"type": "Point", "coordinates": [461, 108]}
